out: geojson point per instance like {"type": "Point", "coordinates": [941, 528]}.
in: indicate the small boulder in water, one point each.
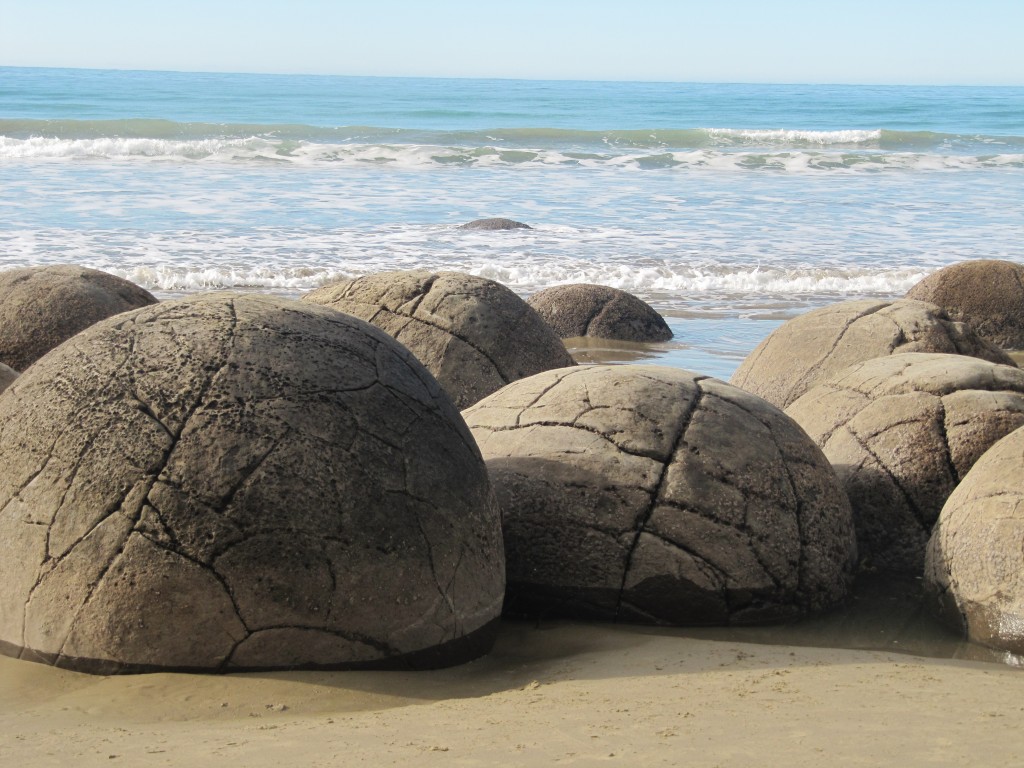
{"type": "Point", "coordinates": [599, 311]}
{"type": "Point", "coordinates": [495, 224]}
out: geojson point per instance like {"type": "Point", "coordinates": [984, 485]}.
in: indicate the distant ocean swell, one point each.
{"type": "Point", "coordinates": [706, 148]}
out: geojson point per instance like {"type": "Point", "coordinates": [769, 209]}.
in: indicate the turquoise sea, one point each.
{"type": "Point", "coordinates": [729, 207]}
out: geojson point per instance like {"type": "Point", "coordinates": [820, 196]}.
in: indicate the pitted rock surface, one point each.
{"type": "Point", "coordinates": [599, 311]}
{"type": "Point", "coordinates": [902, 431]}
{"type": "Point", "coordinates": [241, 482]}
{"type": "Point", "coordinates": [808, 349]}
{"type": "Point", "coordinates": [495, 224]}
{"type": "Point", "coordinates": [652, 494]}
{"type": "Point", "coordinates": [473, 334]}
{"type": "Point", "coordinates": [986, 293]}
{"type": "Point", "coordinates": [40, 307]}
{"type": "Point", "coordinates": [974, 569]}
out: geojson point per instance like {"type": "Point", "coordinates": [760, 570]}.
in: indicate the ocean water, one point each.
{"type": "Point", "coordinates": [728, 207]}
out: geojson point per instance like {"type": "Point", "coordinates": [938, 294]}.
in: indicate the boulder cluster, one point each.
{"type": "Point", "coordinates": [370, 476]}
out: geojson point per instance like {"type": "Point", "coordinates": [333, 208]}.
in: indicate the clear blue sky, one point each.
{"type": "Point", "coordinates": [866, 41]}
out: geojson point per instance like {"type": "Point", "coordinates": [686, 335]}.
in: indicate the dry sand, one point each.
{"type": "Point", "coordinates": [559, 694]}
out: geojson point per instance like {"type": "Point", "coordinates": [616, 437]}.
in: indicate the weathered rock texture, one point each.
{"type": "Point", "coordinates": [652, 494]}
{"type": "Point", "coordinates": [473, 334]}
{"type": "Point", "coordinates": [42, 306]}
{"type": "Point", "coordinates": [812, 347]}
{"type": "Point", "coordinates": [987, 293]}
{"type": "Point", "coordinates": [597, 310]}
{"type": "Point", "coordinates": [975, 563]}
{"type": "Point", "coordinates": [241, 483]}
{"type": "Point", "coordinates": [902, 431]}
{"type": "Point", "coordinates": [495, 224]}
{"type": "Point", "coordinates": [7, 376]}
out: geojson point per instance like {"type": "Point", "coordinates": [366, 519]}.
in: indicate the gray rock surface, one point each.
{"type": "Point", "coordinates": [652, 494]}
{"type": "Point", "coordinates": [986, 293]}
{"type": "Point", "coordinates": [583, 309]}
{"type": "Point", "coordinates": [7, 376]}
{"type": "Point", "coordinates": [495, 224]}
{"type": "Point", "coordinates": [902, 431]}
{"type": "Point", "coordinates": [810, 348]}
{"type": "Point", "coordinates": [473, 334]}
{"type": "Point", "coordinates": [241, 482]}
{"type": "Point", "coordinates": [975, 564]}
{"type": "Point", "coordinates": [40, 307]}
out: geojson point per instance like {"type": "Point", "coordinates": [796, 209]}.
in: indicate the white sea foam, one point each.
{"type": "Point", "coordinates": [255, 149]}
{"type": "Point", "coordinates": [784, 136]}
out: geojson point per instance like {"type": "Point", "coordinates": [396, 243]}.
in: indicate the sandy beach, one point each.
{"type": "Point", "coordinates": [565, 694]}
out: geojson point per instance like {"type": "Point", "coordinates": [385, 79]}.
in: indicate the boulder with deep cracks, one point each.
{"type": "Point", "coordinates": [241, 482]}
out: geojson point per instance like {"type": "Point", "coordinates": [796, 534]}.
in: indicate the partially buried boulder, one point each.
{"type": "Point", "coordinates": [986, 293]}
{"type": "Point", "coordinates": [975, 565]}
{"type": "Point", "coordinates": [241, 482]}
{"type": "Point", "coordinates": [652, 494]}
{"type": "Point", "coordinates": [599, 311]}
{"type": "Point", "coordinates": [902, 431]}
{"type": "Point", "coordinates": [495, 224]}
{"type": "Point", "coordinates": [42, 306]}
{"type": "Point", "coordinates": [808, 349]}
{"type": "Point", "coordinates": [473, 334]}
{"type": "Point", "coordinates": [7, 376]}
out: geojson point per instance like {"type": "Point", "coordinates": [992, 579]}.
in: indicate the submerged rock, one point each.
{"type": "Point", "coordinates": [473, 334]}
{"type": "Point", "coordinates": [40, 307]}
{"type": "Point", "coordinates": [241, 482]}
{"type": "Point", "coordinates": [902, 431]}
{"type": "Point", "coordinates": [810, 348]}
{"type": "Point", "coordinates": [599, 311]}
{"type": "Point", "coordinates": [986, 293]}
{"type": "Point", "coordinates": [652, 494]}
{"type": "Point", "coordinates": [495, 224]}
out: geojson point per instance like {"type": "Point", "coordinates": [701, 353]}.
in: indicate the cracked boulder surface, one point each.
{"type": "Point", "coordinates": [986, 293]}
{"type": "Point", "coordinates": [473, 334]}
{"type": "Point", "coordinates": [40, 307]}
{"type": "Point", "coordinates": [651, 494]}
{"type": "Point", "coordinates": [808, 349]}
{"type": "Point", "coordinates": [902, 432]}
{"type": "Point", "coordinates": [241, 482]}
{"type": "Point", "coordinates": [599, 311]}
{"type": "Point", "coordinates": [974, 569]}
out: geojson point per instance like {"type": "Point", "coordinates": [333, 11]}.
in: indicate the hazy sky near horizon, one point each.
{"type": "Point", "coordinates": [977, 42]}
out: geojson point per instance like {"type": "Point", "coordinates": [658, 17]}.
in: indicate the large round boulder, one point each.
{"type": "Point", "coordinates": [975, 564]}
{"type": "Point", "coordinates": [652, 494]}
{"type": "Point", "coordinates": [241, 482]}
{"type": "Point", "coordinates": [473, 334]}
{"type": "Point", "coordinates": [582, 309]}
{"type": "Point", "coordinates": [902, 431]}
{"type": "Point", "coordinates": [810, 348]}
{"type": "Point", "coordinates": [42, 306]}
{"type": "Point", "coordinates": [986, 293]}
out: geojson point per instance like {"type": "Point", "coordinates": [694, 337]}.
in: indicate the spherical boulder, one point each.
{"type": "Point", "coordinates": [42, 306]}
{"type": "Point", "coordinates": [473, 334]}
{"type": "Point", "coordinates": [599, 311]}
{"type": "Point", "coordinates": [974, 568]}
{"type": "Point", "coordinates": [241, 482]}
{"type": "Point", "coordinates": [986, 293]}
{"type": "Point", "coordinates": [810, 348]}
{"type": "Point", "coordinates": [902, 431]}
{"type": "Point", "coordinates": [494, 224]}
{"type": "Point", "coordinates": [652, 494]}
